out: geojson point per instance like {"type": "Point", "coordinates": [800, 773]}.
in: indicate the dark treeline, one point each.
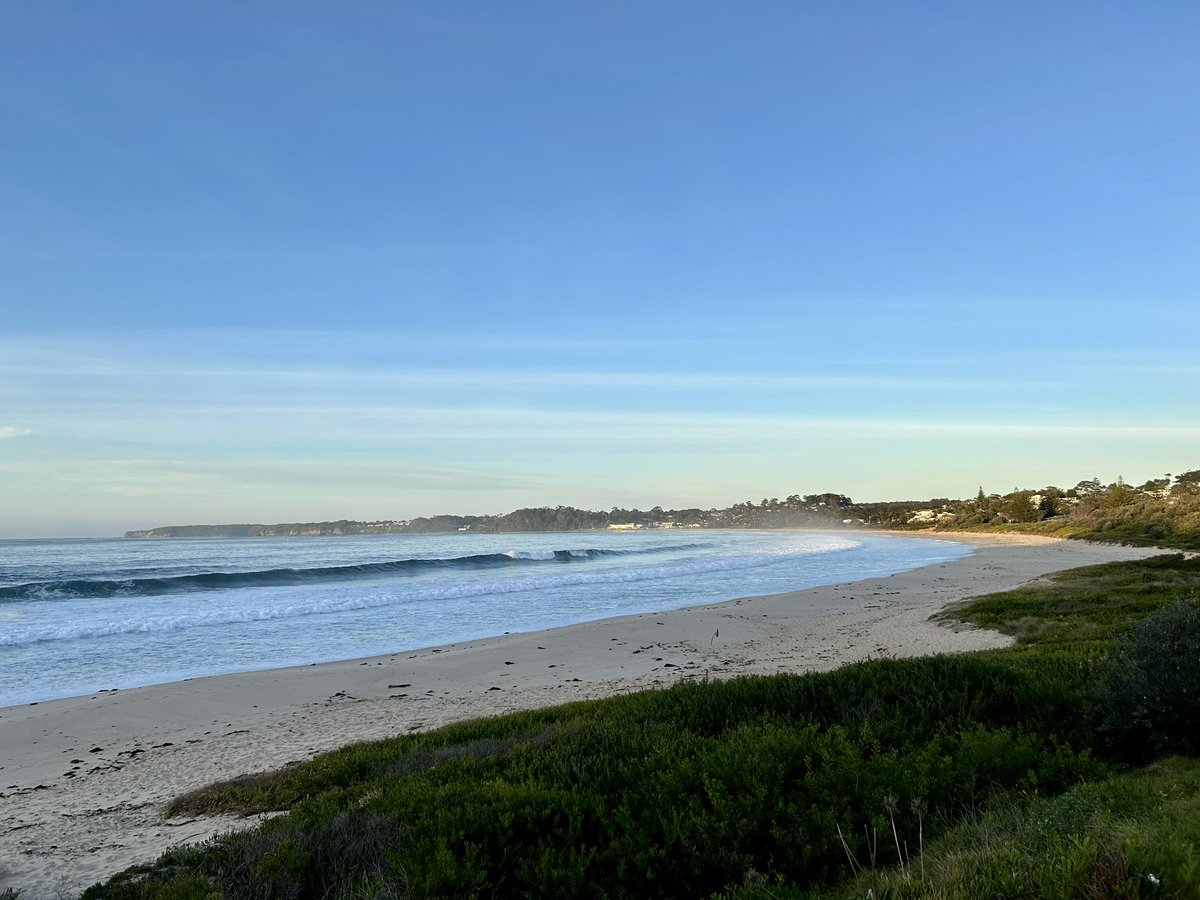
{"type": "Point", "coordinates": [817, 510]}
{"type": "Point", "coordinates": [1161, 511]}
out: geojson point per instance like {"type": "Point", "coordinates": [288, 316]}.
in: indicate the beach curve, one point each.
{"type": "Point", "coordinates": [84, 780]}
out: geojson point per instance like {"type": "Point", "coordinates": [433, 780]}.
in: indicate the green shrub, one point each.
{"type": "Point", "coordinates": [1153, 686]}
{"type": "Point", "coordinates": [1136, 834]}
{"type": "Point", "coordinates": [666, 793]}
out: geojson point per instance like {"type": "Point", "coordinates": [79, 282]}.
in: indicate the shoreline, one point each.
{"type": "Point", "coordinates": [446, 620]}
{"type": "Point", "coordinates": [83, 779]}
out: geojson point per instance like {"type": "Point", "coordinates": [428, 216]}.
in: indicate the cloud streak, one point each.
{"type": "Point", "coordinates": [113, 362]}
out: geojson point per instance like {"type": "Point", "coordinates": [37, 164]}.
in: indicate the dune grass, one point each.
{"type": "Point", "coordinates": [778, 786]}
{"type": "Point", "coordinates": [1079, 612]}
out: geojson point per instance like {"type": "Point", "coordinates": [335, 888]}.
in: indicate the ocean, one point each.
{"type": "Point", "coordinates": [79, 616]}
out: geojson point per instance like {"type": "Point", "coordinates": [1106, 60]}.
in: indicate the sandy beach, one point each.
{"type": "Point", "coordinates": [83, 781]}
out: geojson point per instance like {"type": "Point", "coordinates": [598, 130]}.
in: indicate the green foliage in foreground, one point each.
{"type": "Point", "coordinates": [708, 787]}
{"type": "Point", "coordinates": [1130, 835]}
{"type": "Point", "coordinates": [1153, 685]}
{"type": "Point", "coordinates": [671, 793]}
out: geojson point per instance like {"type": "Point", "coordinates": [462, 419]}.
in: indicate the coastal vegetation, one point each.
{"type": "Point", "coordinates": [1009, 773]}
{"type": "Point", "coordinates": [1160, 512]}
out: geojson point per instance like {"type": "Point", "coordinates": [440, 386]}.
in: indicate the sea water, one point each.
{"type": "Point", "coordinates": [77, 616]}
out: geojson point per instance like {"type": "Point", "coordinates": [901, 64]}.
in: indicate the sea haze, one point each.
{"type": "Point", "coordinates": [78, 616]}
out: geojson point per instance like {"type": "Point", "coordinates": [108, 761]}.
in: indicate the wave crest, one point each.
{"type": "Point", "coordinates": [79, 589]}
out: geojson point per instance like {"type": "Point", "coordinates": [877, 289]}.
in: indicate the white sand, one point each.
{"type": "Point", "coordinates": [83, 781]}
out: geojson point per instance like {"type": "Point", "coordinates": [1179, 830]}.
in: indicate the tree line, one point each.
{"type": "Point", "coordinates": [1162, 510]}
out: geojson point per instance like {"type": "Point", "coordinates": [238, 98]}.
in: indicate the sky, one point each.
{"type": "Point", "coordinates": [301, 261]}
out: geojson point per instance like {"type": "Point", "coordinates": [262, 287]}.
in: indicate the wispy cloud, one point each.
{"type": "Point", "coordinates": [549, 379]}
{"type": "Point", "coordinates": [348, 364]}
{"type": "Point", "coordinates": [360, 431]}
{"type": "Point", "coordinates": [8, 431]}
{"type": "Point", "coordinates": [140, 491]}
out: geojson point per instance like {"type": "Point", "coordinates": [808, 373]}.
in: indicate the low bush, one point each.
{"type": "Point", "coordinates": [669, 793]}
{"type": "Point", "coordinates": [1152, 689]}
{"type": "Point", "coordinates": [1131, 835]}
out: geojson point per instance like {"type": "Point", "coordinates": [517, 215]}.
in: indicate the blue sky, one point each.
{"type": "Point", "coordinates": [293, 261]}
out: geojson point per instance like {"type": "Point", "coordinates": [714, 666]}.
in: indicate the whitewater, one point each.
{"type": "Point", "coordinates": [80, 616]}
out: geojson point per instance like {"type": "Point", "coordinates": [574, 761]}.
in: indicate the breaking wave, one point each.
{"type": "Point", "coordinates": [77, 589]}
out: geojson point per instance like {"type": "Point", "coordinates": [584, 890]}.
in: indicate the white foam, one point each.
{"type": "Point", "coordinates": [62, 644]}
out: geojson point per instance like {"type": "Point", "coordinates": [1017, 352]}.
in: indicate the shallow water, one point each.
{"type": "Point", "coordinates": [83, 615]}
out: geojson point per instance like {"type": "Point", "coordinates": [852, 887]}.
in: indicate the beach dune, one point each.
{"type": "Point", "coordinates": [84, 780]}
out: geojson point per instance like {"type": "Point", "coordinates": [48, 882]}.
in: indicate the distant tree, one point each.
{"type": "Point", "coordinates": [1154, 485]}
{"type": "Point", "coordinates": [1051, 504]}
{"type": "Point", "coordinates": [1019, 507]}
{"type": "Point", "coordinates": [1187, 484]}
{"type": "Point", "coordinates": [1118, 494]}
{"type": "Point", "coordinates": [831, 500]}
